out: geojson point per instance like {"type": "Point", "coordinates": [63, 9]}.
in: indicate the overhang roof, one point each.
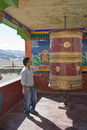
{"type": "Point", "coordinates": [50, 14]}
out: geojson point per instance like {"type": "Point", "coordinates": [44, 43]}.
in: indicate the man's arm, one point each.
{"type": "Point", "coordinates": [23, 77]}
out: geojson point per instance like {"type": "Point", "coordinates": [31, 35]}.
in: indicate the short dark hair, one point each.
{"type": "Point", "coordinates": [25, 60]}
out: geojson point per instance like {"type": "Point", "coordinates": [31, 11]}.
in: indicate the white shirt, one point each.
{"type": "Point", "coordinates": [27, 76]}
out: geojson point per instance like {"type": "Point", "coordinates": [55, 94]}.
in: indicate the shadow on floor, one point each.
{"type": "Point", "coordinates": [50, 116]}
{"type": "Point", "coordinates": [44, 123]}
{"type": "Point", "coordinates": [77, 111]}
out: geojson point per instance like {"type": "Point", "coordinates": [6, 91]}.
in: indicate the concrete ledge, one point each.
{"type": "Point", "coordinates": [11, 92]}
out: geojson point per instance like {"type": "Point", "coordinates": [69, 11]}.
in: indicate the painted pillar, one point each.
{"type": "Point", "coordinates": [28, 48]}
{"type": "Point", "coordinates": [0, 18]}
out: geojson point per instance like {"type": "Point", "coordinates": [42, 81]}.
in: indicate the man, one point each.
{"type": "Point", "coordinates": [29, 90]}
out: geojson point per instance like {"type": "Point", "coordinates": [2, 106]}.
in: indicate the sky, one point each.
{"type": "Point", "coordinates": [9, 39]}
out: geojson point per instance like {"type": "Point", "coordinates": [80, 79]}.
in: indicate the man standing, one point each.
{"type": "Point", "coordinates": [29, 90]}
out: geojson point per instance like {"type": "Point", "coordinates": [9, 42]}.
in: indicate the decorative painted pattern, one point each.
{"type": "Point", "coordinates": [40, 54]}
{"type": "Point", "coordinates": [14, 21]}
{"type": "Point", "coordinates": [40, 34]}
{"type": "Point", "coordinates": [6, 3]}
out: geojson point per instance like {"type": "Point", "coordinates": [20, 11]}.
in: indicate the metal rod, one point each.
{"type": "Point", "coordinates": [67, 93]}
{"type": "Point", "coordinates": [65, 21]}
{"type": "Point", "coordinates": [85, 21]}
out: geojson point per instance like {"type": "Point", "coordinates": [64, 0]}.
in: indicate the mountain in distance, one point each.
{"type": "Point", "coordinates": [11, 54]}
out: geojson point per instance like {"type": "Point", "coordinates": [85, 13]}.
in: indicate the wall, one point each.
{"type": "Point", "coordinates": [11, 93]}
{"type": "Point", "coordinates": [41, 83]}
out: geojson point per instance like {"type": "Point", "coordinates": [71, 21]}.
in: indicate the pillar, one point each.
{"type": "Point", "coordinates": [0, 18]}
{"type": "Point", "coordinates": [28, 48]}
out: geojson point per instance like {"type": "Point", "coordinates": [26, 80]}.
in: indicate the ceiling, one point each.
{"type": "Point", "coordinates": [50, 14]}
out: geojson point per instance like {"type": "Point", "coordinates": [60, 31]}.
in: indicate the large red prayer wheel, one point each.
{"type": "Point", "coordinates": [65, 59]}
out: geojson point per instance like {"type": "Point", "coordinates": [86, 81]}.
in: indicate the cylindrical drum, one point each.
{"type": "Point", "coordinates": [65, 59]}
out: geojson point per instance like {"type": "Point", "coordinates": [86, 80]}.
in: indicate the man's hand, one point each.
{"type": "Point", "coordinates": [0, 76]}
{"type": "Point", "coordinates": [25, 91]}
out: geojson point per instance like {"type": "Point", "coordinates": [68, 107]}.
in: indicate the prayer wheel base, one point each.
{"type": "Point", "coordinates": [65, 85]}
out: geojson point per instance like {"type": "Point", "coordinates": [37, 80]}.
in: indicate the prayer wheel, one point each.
{"type": "Point", "coordinates": [65, 59]}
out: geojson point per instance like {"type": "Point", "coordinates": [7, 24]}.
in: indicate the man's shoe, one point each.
{"type": "Point", "coordinates": [34, 112]}
{"type": "Point", "coordinates": [28, 116]}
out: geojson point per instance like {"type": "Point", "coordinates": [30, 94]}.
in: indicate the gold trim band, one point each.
{"type": "Point", "coordinates": [69, 78]}
{"type": "Point", "coordinates": [66, 60]}
{"type": "Point", "coordinates": [66, 34]}
{"type": "Point", "coordinates": [65, 84]}
{"type": "Point", "coordinates": [65, 54]}
{"type": "Point", "coordinates": [66, 87]}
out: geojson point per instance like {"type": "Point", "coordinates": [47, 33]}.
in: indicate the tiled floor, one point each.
{"type": "Point", "coordinates": [51, 116]}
